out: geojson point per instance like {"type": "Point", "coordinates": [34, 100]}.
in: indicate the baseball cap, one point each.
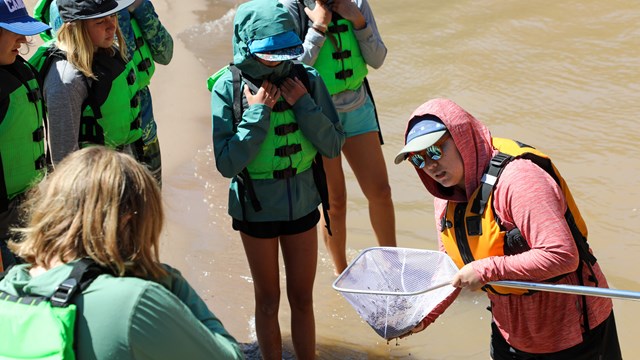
{"type": "Point", "coordinates": [71, 10]}
{"type": "Point", "coordinates": [15, 18]}
{"type": "Point", "coordinates": [284, 46]}
{"type": "Point", "coordinates": [426, 131]}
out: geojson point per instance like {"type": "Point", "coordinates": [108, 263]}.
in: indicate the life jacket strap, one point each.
{"type": "Point", "coordinates": [281, 106]}
{"type": "Point", "coordinates": [285, 173]}
{"type": "Point", "coordinates": [288, 150]}
{"type": "Point", "coordinates": [338, 28]}
{"type": "Point", "coordinates": [285, 129]}
{"type": "Point", "coordinates": [339, 55]}
{"type": "Point", "coordinates": [344, 74]}
{"type": "Point", "coordinates": [488, 181]}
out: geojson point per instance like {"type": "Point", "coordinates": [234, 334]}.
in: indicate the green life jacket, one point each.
{"type": "Point", "coordinates": [111, 112]}
{"type": "Point", "coordinates": [41, 13]}
{"type": "Point", "coordinates": [340, 62]}
{"type": "Point", "coordinates": [142, 57]}
{"type": "Point", "coordinates": [41, 327]}
{"type": "Point", "coordinates": [22, 159]}
{"type": "Point", "coordinates": [285, 150]}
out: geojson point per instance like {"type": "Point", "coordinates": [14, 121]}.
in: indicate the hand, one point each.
{"type": "Point", "coordinates": [467, 278]}
{"type": "Point", "coordinates": [320, 14]}
{"type": "Point", "coordinates": [349, 10]}
{"type": "Point", "coordinates": [292, 90]}
{"type": "Point", "coordinates": [420, 327]}
{"type": "Point", "coordinates": [268, 94]}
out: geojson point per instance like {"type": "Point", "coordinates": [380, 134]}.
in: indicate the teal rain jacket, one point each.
{"type": "Point", "coordinates": [281, 199]}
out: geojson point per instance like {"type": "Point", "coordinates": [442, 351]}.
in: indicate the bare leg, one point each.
{"type": "Point", "coordinates": [262, 255]}
{"type": "Point", "coordinates": [364, 154]}
{"type": "Point", "coordinates": [300, 254]}
{"type": "Point", "coordinates": [336, 243]}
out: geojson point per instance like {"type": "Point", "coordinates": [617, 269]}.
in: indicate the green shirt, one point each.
{"type": "Point", "coordinates": [131, 318]}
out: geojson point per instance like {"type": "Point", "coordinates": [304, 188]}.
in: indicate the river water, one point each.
{"type": "Point", "coordinates": [563, 76]}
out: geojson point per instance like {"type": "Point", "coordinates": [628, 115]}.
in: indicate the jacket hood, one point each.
{"type": "Point", "coordinates": [257, 20]}
{"type": "Point", "coordinates": [19, 282]}
{"type": "Point", "coordinates": [472, 139]}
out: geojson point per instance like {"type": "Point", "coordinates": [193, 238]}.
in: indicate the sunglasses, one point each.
{"type": "Point", "coordinates": [433, 152]}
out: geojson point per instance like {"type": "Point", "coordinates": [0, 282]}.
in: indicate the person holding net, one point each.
{"type": "Point", "coordinates": [503, 212]}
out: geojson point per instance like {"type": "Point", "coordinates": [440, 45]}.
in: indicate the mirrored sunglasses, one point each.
{"type": "Point", "coordinates": [433, 152]}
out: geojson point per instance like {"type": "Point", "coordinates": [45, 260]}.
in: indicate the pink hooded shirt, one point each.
{"type": "Point", "coordinates": [528, 198]}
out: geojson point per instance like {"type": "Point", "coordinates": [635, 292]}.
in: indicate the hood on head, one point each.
{"type": "Point", "coordinates": [472, 139]}
{"type": "Point", "coordinates": [257, 20]}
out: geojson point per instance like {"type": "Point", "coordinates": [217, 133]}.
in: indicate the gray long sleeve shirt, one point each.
{"type": "Point", "coordinates": [65, 89]}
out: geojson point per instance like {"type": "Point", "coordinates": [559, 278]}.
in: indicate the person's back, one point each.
{"type": "Point", "coordinates": [103, 206]}
{"type": "Point", "coordinates": [130, 318]}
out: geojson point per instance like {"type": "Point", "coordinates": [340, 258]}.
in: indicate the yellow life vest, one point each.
{"type": "Point", "coordinates": [471, 231]}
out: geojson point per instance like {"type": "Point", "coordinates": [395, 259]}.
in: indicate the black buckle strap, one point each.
{"type": "Point", "coordinates": [34, 95]}
{"type": "Point", "coordinates": [281, 106]}
{"type": "Point", "coordinates": [135, 101]}
{"type": "Point", "coordinates": [339, 55]}
{"type": "Point", "coordinates": [499, 159]}
{"type": "Point", "coordinates": [287, 150]}
{"type": "Point", "coordinates": [131, 77]}
{"type": "Point", "coordinates": [489, 179]}
{"type": "Point", "coordinates": [139, 42]}
{"type": "Point", "coordinates": [41, 162]}
{"type": "Point", "coordinates": [144, 65]}
{"type": "Point", "coordinates": [285, 173]}
{"type": "Point", "coordinates": [338, 28]}
{"type": "Point", "coordinates": [38, 134]}
{"type": "Point", "coordinates": [346, 73]}
{"type": "Point", "coordinates": [285, 129]}
{"type": "Point", "coordinates": [65, 291]}
{"type": "Point", "coordinates": [136, 124]}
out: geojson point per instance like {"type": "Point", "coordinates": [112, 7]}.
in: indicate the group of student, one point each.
{"type": "Point", "coordinates": [293, 101]}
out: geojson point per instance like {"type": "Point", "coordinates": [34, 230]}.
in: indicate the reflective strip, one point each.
{"type": "Point", "coordinates": [489, 179]}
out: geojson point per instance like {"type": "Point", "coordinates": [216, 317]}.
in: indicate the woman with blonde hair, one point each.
{"type": "Point", "coordinates": [90, 86]}
{"type": "Point", "coordinates": [102, 205]}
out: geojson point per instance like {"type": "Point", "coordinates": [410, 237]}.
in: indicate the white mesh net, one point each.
{"type": "Point", "coordinates": [393, 289]}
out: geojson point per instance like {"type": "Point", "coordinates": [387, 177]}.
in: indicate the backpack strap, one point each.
{"type": "Point", "coordinates": [82, 275]}
{"type": "Point", "coordinates": [245, 185]}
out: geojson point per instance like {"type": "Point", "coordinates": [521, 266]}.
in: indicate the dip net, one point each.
{"type": "Point", "coordinates": [394, 289]}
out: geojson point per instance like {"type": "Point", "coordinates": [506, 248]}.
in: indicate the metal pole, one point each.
{"type": "Point", "coordinates": [571, 289]}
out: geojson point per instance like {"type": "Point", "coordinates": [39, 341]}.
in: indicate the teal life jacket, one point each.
{"type": "Point", "coordinates": [22, 153]}
{"type": "Point", "coordinates": [42, 327]}
{"type": "Point", "coordinates": [111, 111]}
{"type": "Point", "coordinates": [293, 152]}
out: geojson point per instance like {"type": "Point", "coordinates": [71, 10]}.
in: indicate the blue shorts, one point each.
{"type": "Point", "coordinates": [359, 121]}
{"type": "Point", "coordinates": [272, 229]}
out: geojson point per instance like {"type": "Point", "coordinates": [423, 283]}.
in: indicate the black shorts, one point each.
{"type": "Point", "coordinates": [272, 229]}
{"type": "Point", "coordinates": [600, 343]}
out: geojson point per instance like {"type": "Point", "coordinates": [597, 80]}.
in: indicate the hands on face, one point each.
{"type": "Point", "coordinates": [268, 94]}
{"type": "Point", "coordinates": [346, 8]}
{"type": "Point", "coordinates": [291, 90]}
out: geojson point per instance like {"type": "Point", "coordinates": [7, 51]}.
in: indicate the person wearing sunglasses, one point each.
{"type": "Point", "coordinates": [504, 212]}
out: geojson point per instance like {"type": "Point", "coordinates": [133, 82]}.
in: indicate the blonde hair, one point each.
{"type": "Point", "coordinates": [98, 203]}
{"type": "Point", "coordinates": [73, 37]}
